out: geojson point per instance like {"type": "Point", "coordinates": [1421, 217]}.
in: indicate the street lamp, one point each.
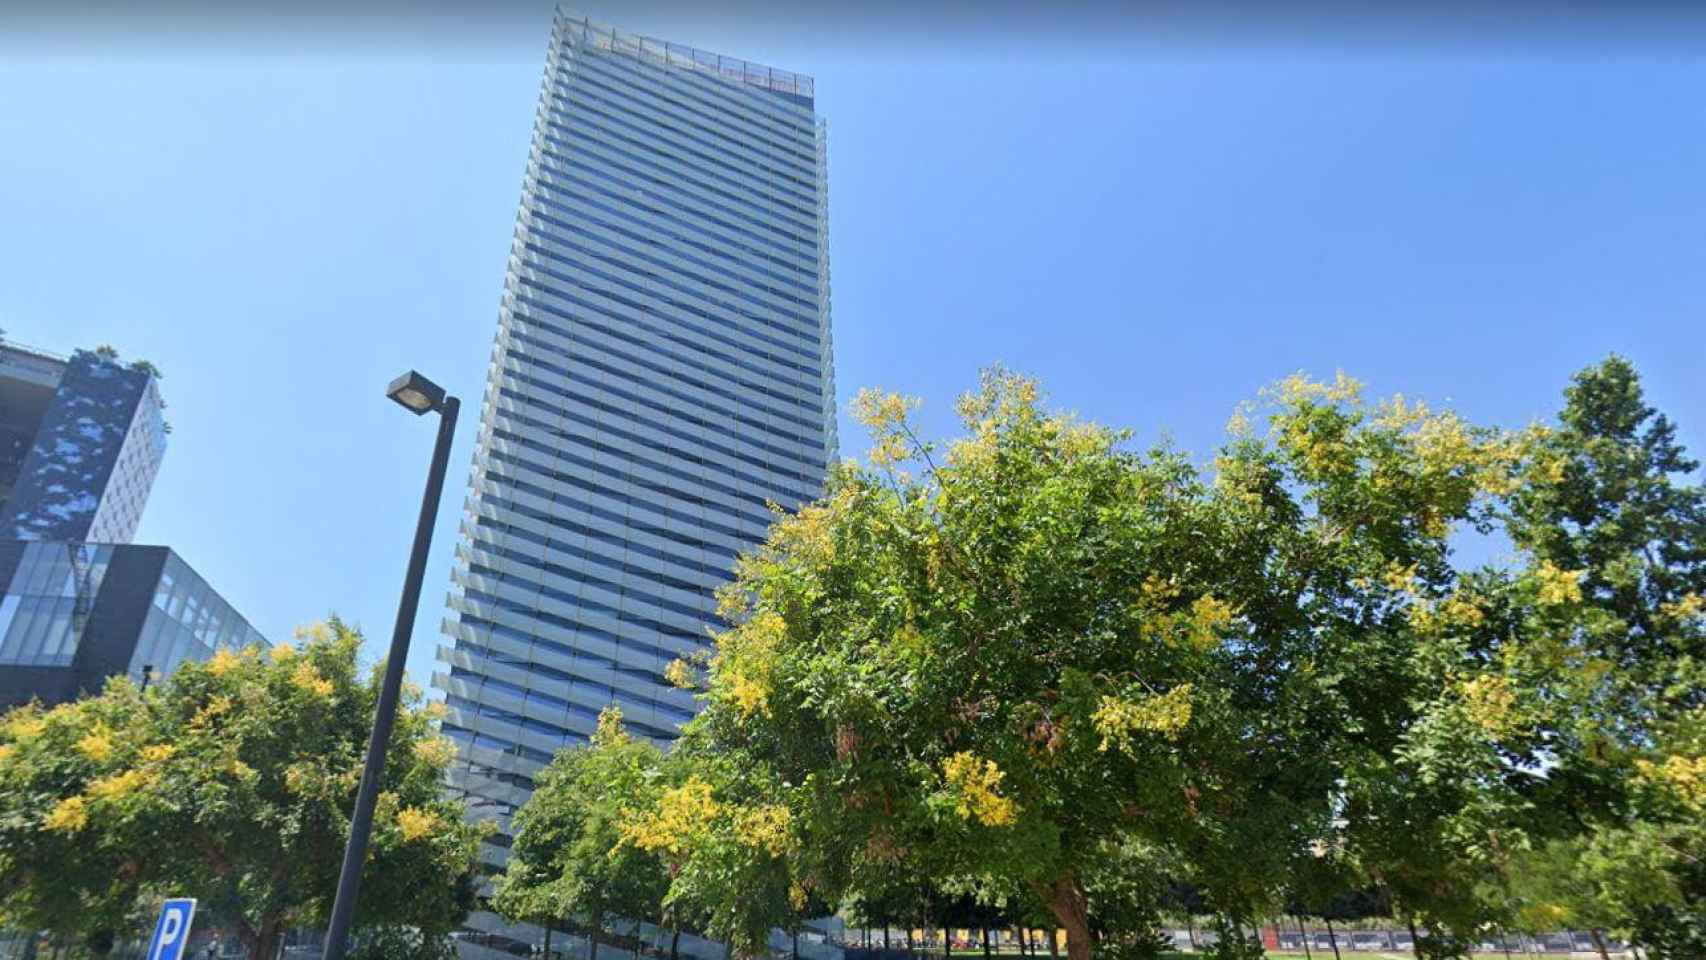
{"type": "Point", "coordinates": [418, 395]}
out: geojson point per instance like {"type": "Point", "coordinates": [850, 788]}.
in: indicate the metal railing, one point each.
{"type": "Point", "coordinates": [13, 351]}
{"type": "Point", "coordinates": [678, 55]}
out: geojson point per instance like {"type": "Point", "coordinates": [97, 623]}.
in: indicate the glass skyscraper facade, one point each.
{"type": "Point", "coordinates": [661, 375]}
{"type": "Point", "coordinates": [80, 444]}
{"type": "Point", "coordinates": [73, 614]}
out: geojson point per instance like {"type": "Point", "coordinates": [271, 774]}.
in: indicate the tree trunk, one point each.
{"type": "Point", "coordinates": [1069, 904]}
{"type": "Point", "coordinates": [547, 941]}
{"type": "Point", "coordinates": [1599, 943]}
{"type": "Point", "coordinates": [593, 930]}
{"type": "Point", "coordinates": [985, 943]}
{"type": "Point", "coordinates": [1305, 931]}
{"type": "Point", "coordinates": [1415, 941]}
{"type": "Point", "coordinates": [263, 943]}
{"type": "Point", "coordinates": [100, 943]}
{"type": "Point", "coordinates": [269, 941]}
{"type": "Point", "coordinates": [1332, 938]}
{"type": "Point", "coordinates": [885, 936]}
{"type": "Point", "coordinates": [947, 943]}
{"type": "Point", "coordinates": [675, 943]}
{"type": "Point", "coordinates": [1054, 941]}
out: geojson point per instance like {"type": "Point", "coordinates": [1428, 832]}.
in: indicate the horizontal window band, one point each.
{"type": "Point", "coordinates": [560, 157]}
{"type": "Point", "coordinates": [766, 128]}
{"type": "Point", "coordinates": [760, 112]}
{"type": "Point", "coordinates": [812, 478]}
{"type": "Point", "coordinates": [591, 441]}
{"type": "Point", "coordinates": [572, 196]}
{"type": "Point", "coordinates": [713, 132]}
{"type": "Point", "coordinates": [591, 487]}
{"type": "Point", "coordinates": [561, 130]}
{"type": "Point", "coordinates": [613, 260]}
{"type": "Point", "coordinates": [605, 339]}
{"type": "Point", "coordinates": [573, 283]}
{"type": "Point", "coordinates": [602, 405]}
{"type": "Point", "coordinates": [590, 96]}
{"type": "Point", "coordinates": [554, 545]}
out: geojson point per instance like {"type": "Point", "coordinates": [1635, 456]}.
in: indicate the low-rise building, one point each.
{"type": "Point", "coordinates": [73, 614]}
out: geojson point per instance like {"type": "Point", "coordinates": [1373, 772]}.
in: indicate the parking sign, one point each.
{"type": "Point", "coordinates": [173, 930]}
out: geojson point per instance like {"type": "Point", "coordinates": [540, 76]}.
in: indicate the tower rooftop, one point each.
{"type": "Point", "coordinates": [664, 52]}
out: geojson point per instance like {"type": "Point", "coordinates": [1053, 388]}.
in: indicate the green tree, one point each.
{"type": "Point", "coordinates": [1607, 505]}
{"type": "Point", "coordinates": [56, 878]}
{"type": "Point", "coordinates": [232, 782]}
{"type": "Point", "coordinates": [1548, 736]}
{"type": "Point", "coordinates": [723, 828]}
{"type": "Point", "coordinates": [569, 861]}
{"type": "Point", "coordinates": [1601, 882]}
{"type": "Point", "coordinates": [1043, 642]}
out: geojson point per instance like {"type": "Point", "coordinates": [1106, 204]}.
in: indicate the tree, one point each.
{"type": "Point", "coordinates": [1608, 495]}
{"type": "Point", "coordinates": [723, 829]}
{"type": "Point", "coordinates": [569, 860]}
{"type": "Point", "coordinates": [57, 879]}
{"type": "Point", "coordinates": [378, 942]}
{"type": "Point", "coordinates": [1607, 504]}
{"type": "Point", "coordinates": [1549, 737]}
{"type": "Point", "coordinates": [1600, 882]}
{"type": "Point", "coordinates": [1048, 671]}
{"type": "Point", "coordinates": [1045, 641]}
{"type": "Point", "coordinates": [232, 782]}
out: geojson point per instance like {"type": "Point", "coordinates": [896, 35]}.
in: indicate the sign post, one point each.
{"type": "Point", "coordinates": [172, 933]}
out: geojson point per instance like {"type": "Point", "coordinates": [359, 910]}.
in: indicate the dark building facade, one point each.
{"type": "Point", "coordinates": [81, 441]}
{"type": "Point", "coordinates": [73, 614]}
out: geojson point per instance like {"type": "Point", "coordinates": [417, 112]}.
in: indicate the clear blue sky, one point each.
{"type": "Point", "coordinates": [1154, 228]}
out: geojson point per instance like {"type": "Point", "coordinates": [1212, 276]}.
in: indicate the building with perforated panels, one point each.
{"type": "Point", "coordinates": [81, 440]}
{"type": "Point", "coordinates": [661, 373]}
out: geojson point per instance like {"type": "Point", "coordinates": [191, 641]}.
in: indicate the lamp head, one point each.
{"type": "Point", "coordinates": [415, 393]}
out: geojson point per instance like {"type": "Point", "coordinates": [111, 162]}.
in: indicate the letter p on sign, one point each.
{"type": "Point", "coordinates": [173, 931]}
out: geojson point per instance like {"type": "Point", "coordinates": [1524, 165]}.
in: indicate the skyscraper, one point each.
{"type": "Point", "coordinates": [80, 443]}
{"type": "Point", "coordinates": [662, 372]}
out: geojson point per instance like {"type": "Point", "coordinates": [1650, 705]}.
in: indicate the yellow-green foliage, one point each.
{"type": "Point", "coordinates": [255, 756]}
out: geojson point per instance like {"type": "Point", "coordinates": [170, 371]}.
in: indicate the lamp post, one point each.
{"type": "Point", "coordinates": [418, 395]}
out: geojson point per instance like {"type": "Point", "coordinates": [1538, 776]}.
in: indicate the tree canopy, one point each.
{"type": "Point", "coordinates": [1033, 664]}
{"type": "Point", "coordinates": [232, 782]}
{"type": "Point", "coordinates": [568, 862]}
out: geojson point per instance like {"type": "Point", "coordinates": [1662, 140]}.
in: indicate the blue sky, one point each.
{"type": "Point", "coordinates": [1156, 230]}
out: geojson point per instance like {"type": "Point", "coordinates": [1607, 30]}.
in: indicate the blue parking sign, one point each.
{"type": "Point", "coordinates": [173, 930]}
